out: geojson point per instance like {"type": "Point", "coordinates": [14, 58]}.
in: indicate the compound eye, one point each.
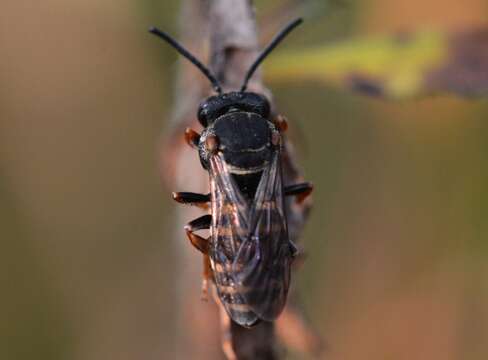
{"type": "Point", "coordinates": [266, 109]}
{"type": "Point", "coordinates": [259, 104]}
{"type": "Point", "coordinates": [207, 110]}
{"type": "Point", "coordinates": [202, 115]}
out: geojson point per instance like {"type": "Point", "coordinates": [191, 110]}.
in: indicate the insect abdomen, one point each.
{"type": "Point", "coordinates": [249, 249]}
{"type": "Point", "coordinates": [232, 298]}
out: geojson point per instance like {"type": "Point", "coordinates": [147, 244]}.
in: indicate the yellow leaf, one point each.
{"type": "Point", "coordinates": [390, 66]}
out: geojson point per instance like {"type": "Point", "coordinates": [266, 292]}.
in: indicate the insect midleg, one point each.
{"type": "Point", "coordinates": [200, 200]}
{"type": "Point", "coordinates": [203, 222]}
{"type": "Point", "coordinates": [301, 191]}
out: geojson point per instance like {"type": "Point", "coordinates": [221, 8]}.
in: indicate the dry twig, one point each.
{"type": "Point", "coordinates": [231, 27]}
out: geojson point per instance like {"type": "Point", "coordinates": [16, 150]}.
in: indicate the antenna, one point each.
{"type": "Point", "coordinates": [189, 56]}
{"type": "Point", "coordinates": [281, 35]}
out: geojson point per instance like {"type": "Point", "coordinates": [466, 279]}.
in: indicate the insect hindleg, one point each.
{"type": "Point", "coordinates": [203, 222]}
{"type": "Point", "coordinates": [207, 274]}
{"type": "Point", "coordinates": [299, 259]}
{"type": "Point", "coordinates": [200, 200]}
{"type": "Point", "coordinates": [301, 191]}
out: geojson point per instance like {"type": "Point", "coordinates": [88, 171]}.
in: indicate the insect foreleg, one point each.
{"type": "Point", "coordinates": [203, 222]}
{"type": "Point", "coordinates": [301, 191]}
{"type": "Point", "coordinates": [281, 123]}
{"type": "Point", "coordinates": [200, 200]}
{"type": "Point", "coordinates": [192, 138]}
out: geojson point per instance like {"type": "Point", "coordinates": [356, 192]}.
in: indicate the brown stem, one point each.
{"type": "Point", "coordinates": [231, 27]}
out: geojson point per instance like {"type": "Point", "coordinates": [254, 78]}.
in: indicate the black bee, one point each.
{"type": "Point", "coordinates": [248, 253]}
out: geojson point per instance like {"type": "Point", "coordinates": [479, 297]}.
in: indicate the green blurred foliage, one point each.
{"type": "Point", "coordinates": [389, 67]}
{"type": "Point", "coordinates": [394, 67]}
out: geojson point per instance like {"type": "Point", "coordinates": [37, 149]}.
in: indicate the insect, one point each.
{"type": "Point", "coordinates": [248, 254]}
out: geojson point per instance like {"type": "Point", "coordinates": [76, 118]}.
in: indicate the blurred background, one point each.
{"type": "Point", "coordinates": [397, 240]}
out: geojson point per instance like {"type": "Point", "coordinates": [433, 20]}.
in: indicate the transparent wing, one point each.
{"type": "Point", "coordinates": [228, 231]}
{"type": "Point", "coordinates": [250, 242]}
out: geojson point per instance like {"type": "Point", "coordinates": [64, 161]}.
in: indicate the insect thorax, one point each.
{"type": "Point", "coordinates": [245, 143]}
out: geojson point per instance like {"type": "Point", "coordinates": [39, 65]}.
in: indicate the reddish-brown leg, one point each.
{"type": "Point", "coordinates": [203, 222]}
{"type": "Point", "coordinates": [192, 138]}
{"type": "Point", "coordinates": [201, 244]}
{"type": "Point", "coordinates": [281, 123]}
